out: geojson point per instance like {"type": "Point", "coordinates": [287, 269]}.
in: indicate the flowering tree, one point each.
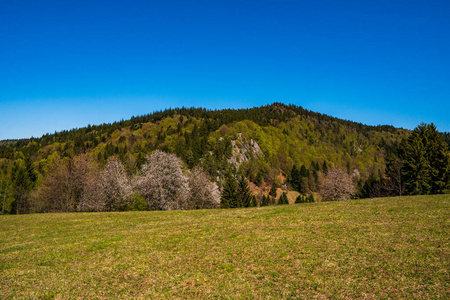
{"type": "Point", "coordinates": [202, 192]}
{"type": "Point", "coordinates": [114, 186]}
{"type": "Point", "coordinates": [336, 185]}
{"type": "Point", "coordinates": [161, 182]}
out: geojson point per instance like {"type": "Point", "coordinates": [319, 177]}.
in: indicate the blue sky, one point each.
{"type": "Point", "coordinates": [66, 64]}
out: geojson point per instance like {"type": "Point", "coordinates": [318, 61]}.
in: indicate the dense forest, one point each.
{"type": "Point", "coordinates": [190, 158]}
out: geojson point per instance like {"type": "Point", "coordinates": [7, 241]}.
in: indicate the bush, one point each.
{"type": "Point", "coordinates": [137, 203]}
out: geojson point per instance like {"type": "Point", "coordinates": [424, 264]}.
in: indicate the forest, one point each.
{"type": "Point", "coordinates": [193, 158]}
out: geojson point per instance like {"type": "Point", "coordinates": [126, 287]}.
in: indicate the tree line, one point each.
{"type": "Point", "coordinates": [82, 185]}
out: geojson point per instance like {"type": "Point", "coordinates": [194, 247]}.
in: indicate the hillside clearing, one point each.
{"type": "Point", "coordinates": [377, 248]}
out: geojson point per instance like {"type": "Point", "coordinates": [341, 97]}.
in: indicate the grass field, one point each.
{"type": "Point", "coordinates": [376, 248]}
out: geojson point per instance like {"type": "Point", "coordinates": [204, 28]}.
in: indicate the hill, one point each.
{"type": "Point", "coordinates": [275, 127]}
{"type": "Point", "coordinates": [266, 145]}
{"type": "Point", "coordinates": [377, 248]}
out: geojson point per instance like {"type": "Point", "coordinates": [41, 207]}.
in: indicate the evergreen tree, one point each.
{"type": "Point", "coordinates": [283, 199]}
{"type": "Point", "coordinates": [416, 167]}
{"type": "Point", "coordinates": [230, 195]}
{"type": "Point", "coordinates": [21, 185]}
{"type": "Point", "coordinates": [438, 157]}
{"type": "Point", "coordinates": [273, 190]}
{"type": "Point", "coordinates": [325, 167]}
{"type": "Point", "coordinates": [244, 193]}
{"type": "Point", "coordinates": [295, 178]}
{"type": "Point", "coordinates": [304, 171]}
{"type": "Point", "coordinates": [368, 189]}
{"type": "Point", "coordinates": [300, 199]}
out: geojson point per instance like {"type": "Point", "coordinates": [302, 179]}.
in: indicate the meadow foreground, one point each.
{"type": "Point", "coordinates": [371, 248]}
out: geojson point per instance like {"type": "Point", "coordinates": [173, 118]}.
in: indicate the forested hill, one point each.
{"type": "Point", "coordinates": [277, 146]}
{"type": "Point", "coordinates": [287, 135]}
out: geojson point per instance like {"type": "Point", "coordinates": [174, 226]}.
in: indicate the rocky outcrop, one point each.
{"type": "Point", "coordinates": [244, 150]}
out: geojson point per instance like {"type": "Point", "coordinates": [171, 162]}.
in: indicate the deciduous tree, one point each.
{"type": "Point", "coordinates": [161, 182]}
{"type": "Point", "coordinates": [336, 185]}
{"type": "Point", "coordinates": [202, 192]}
{"type": "Point", "coordinates": [115, 186]}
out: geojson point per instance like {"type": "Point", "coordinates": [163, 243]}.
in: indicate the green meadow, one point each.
{"type": "Point", "coordinates": [372, 248]}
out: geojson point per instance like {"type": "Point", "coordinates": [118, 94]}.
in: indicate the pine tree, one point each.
{"type": "Point", "coordinates": [244, 193]}
{"type": "Point", "coordinates": [230, 195]}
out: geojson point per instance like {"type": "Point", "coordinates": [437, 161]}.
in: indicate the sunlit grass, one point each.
{"type": "Point", "coordinates": [377, 248]}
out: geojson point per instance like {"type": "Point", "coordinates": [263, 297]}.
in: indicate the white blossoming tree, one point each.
{"type": "Point", "coordinates": [202, 192]}
{"type": "Point", "coordinates": [161, 182]}
{"type": "Point", "coordinates": [336, 185]}
{"type": "Point", "coordinates": [115, 188]}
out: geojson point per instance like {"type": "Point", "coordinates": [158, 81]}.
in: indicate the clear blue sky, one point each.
{"type": "Point", "coordinates": [66, 64]}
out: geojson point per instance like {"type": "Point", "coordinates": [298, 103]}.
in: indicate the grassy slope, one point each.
{"type": "Point", "coordinates": [394, 247]}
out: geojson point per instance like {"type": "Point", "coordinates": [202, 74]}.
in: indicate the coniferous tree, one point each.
{"type": "Point", "coordinates": [21, 185]}
{"type": "Point", "coordinates": [244, 193]}
{"type": "Point", "coordinates": [368, 190]}
{"type": "Point", "coordinates": [416, 167]}
{"type": "Point", "coordinates": [304, 171]}
{"type": "Point", "coordinates": [300, 199]}
{"type": "Point", "coordinates": [295, 178]}
{"type": "Point", "coordinates": [273, 190]}
{"type": "Point", "coordinates": [230, 195]}
{"type": "Point", "coordinates": [31, 172]}
{"type": "Point", "coordinates": [283, 199]}
{"type": "Point", "coordinates": [439, 159]}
